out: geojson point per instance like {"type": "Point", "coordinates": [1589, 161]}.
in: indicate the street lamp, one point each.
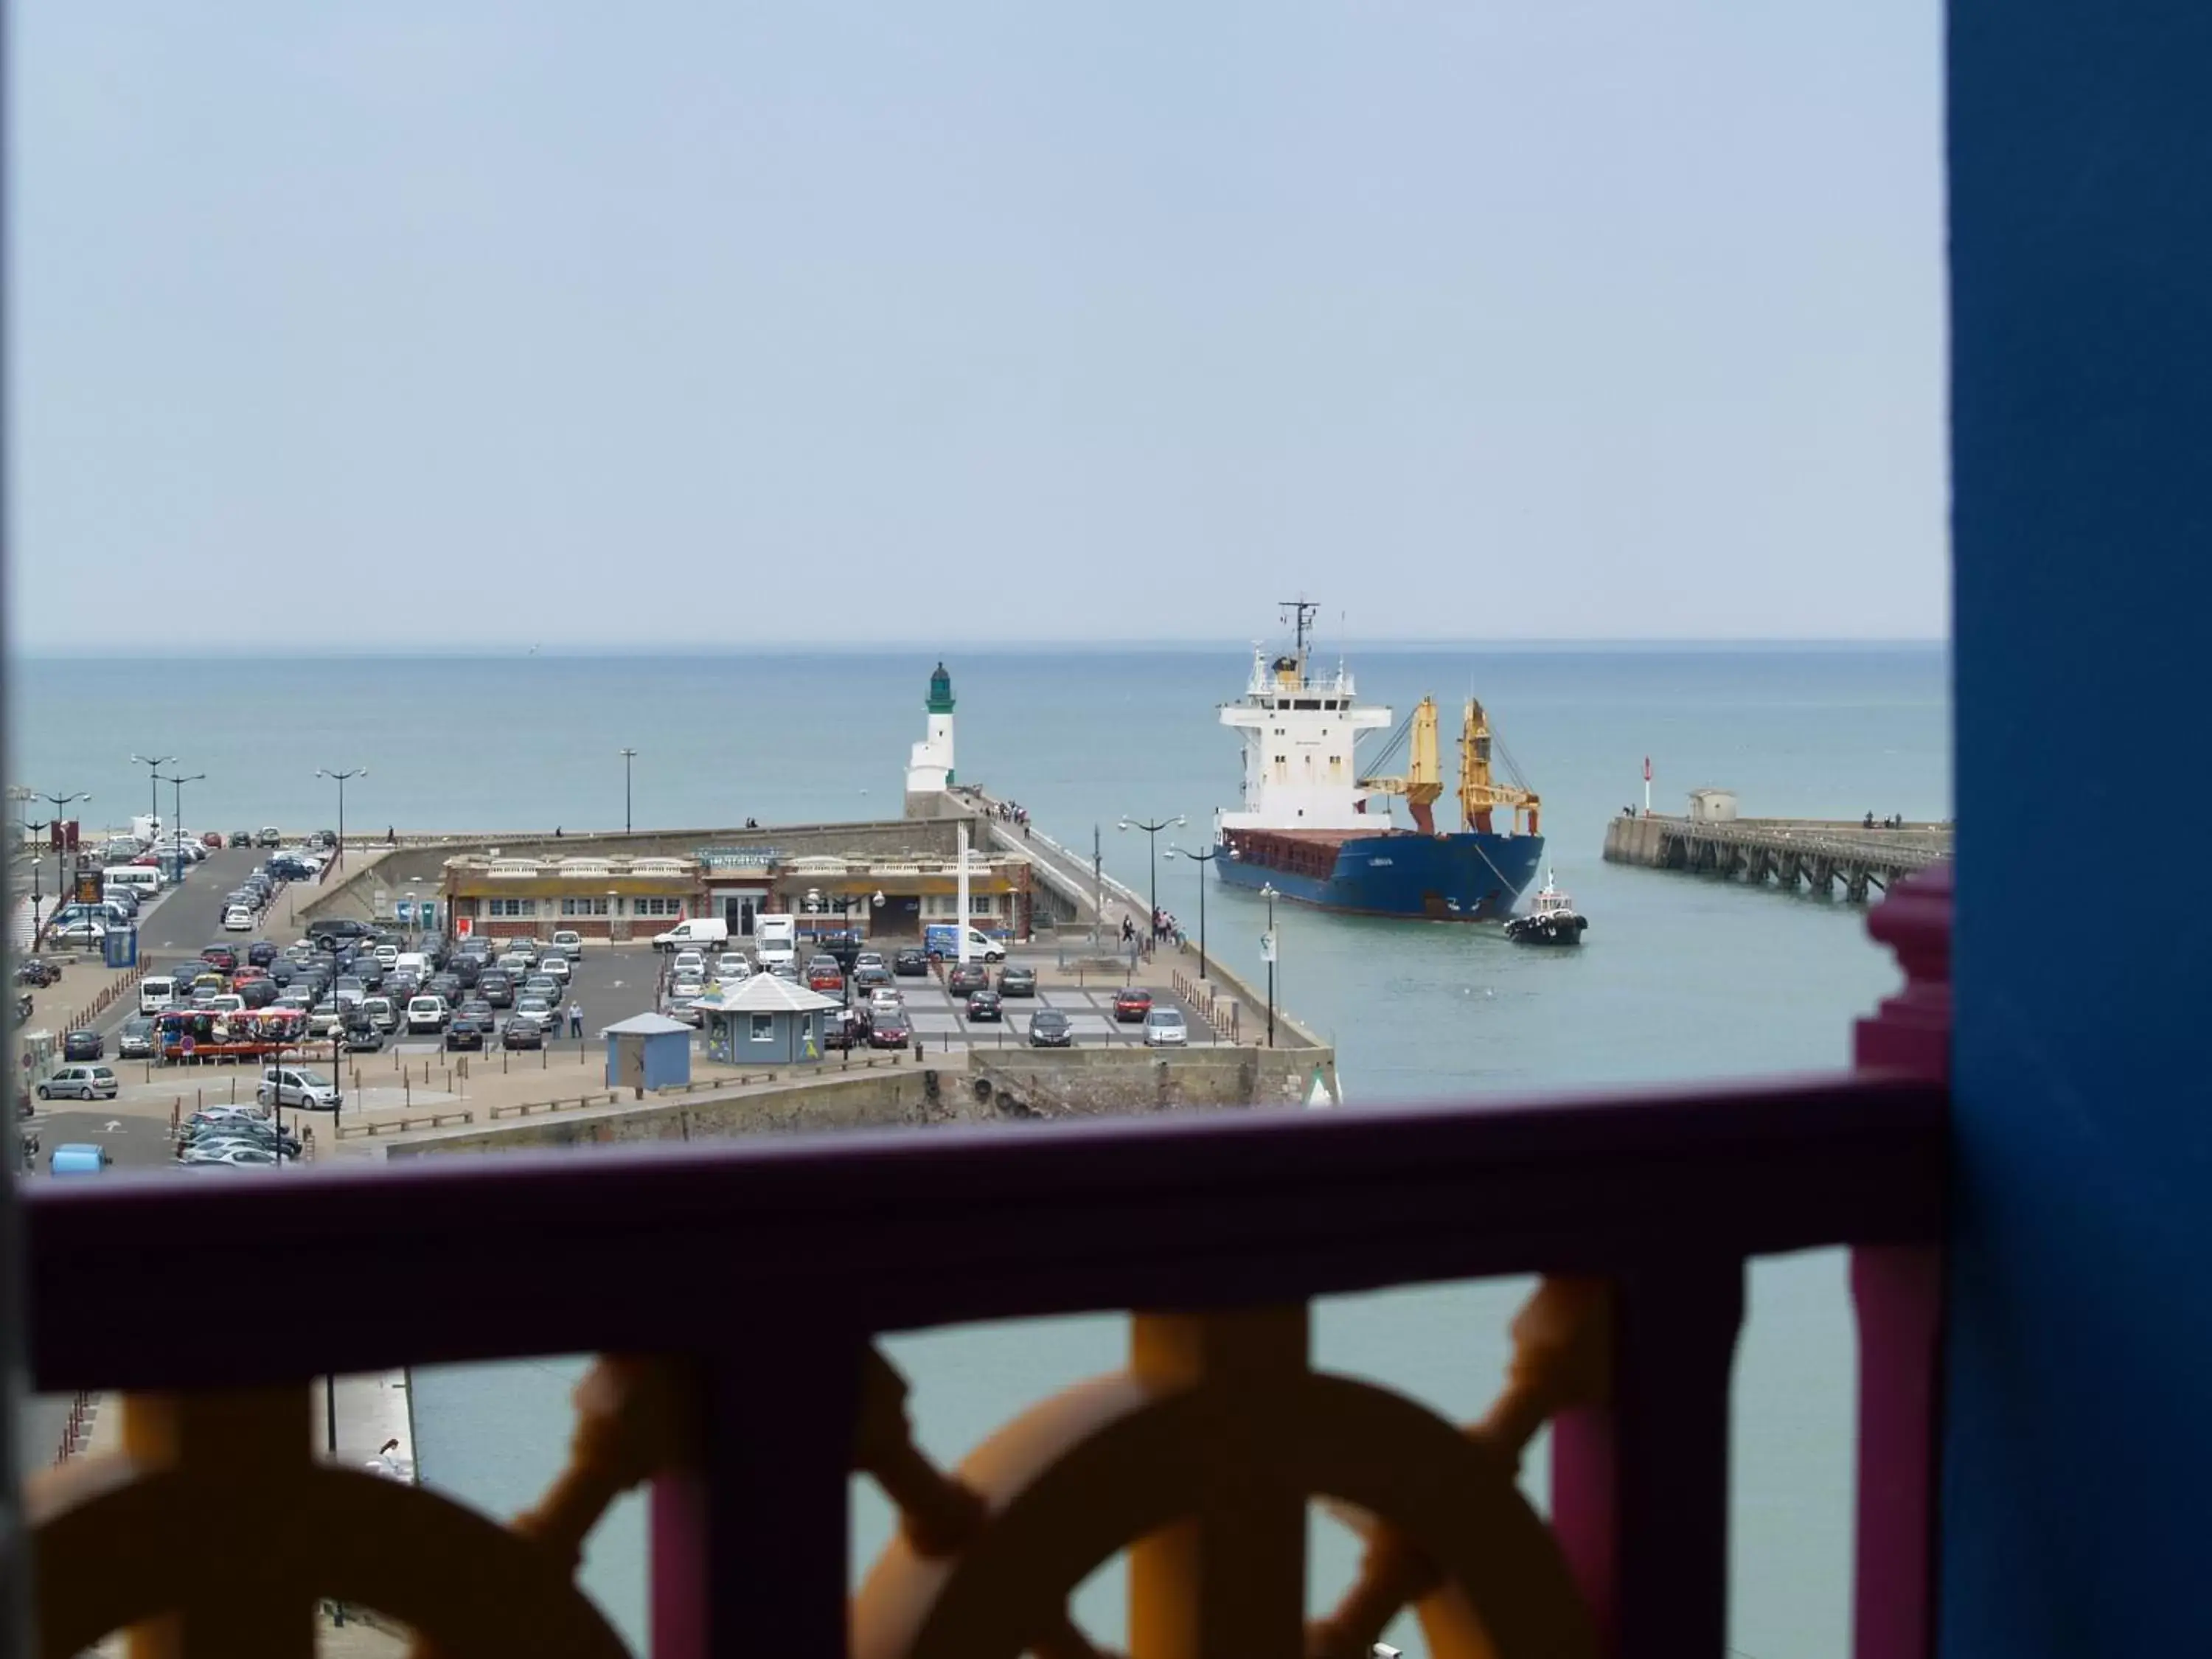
{"type": "Point", "coordinates": [1153, 842]}
{"type": "Point", "coordinates": [60, 886]}
{"type": "Point", "coordinates": [177, 830]}
{"type": "Point", "coordinates": [1201, 859]}
{"type": "Point", "coordinates": [1268, 950]}
{"type": "Point", "coordinates": [154, 787]}
{"type": "Point", "coordinates": [627, 755]}
{"type": "Point", "coordinates": [340, 778]}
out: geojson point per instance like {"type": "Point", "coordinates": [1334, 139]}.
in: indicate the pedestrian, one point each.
{"type": "Point", "coordinates": [390, 835]}
{"type": "Point", "coordinates": [1128, 937]}
{"type": "Point", "coordinates": [575, 1019]}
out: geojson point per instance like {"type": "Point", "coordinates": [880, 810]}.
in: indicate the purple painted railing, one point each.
{"type": "Point", "coordinates": [768, 1266]}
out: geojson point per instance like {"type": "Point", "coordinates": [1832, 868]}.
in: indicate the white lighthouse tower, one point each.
{"type": "Point", "coordinates": [929, 769]}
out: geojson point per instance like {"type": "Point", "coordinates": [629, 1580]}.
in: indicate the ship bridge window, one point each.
{"type": "Point", "coordinates": [1309, 703]}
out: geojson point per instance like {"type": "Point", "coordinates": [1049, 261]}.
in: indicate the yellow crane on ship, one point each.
{"type": "Point", "coordinates": [1422, 782]}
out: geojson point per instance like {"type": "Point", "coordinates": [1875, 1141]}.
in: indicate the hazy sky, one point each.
{"type": "Point", "coordinates": [952, 321]}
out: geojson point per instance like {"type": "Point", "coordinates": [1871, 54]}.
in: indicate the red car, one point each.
{"type": "Point", "coordinates": [826, 977]}
{"type": "Point", "coordinates": [221, 957]}
{"type": "Point", "coordinates": [213, 838]}
{"type": "Point", "coordinates": [1130, 1006]}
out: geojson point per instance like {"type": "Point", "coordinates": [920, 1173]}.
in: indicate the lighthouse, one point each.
{"type": "Point", "coordinates": [929, 769]}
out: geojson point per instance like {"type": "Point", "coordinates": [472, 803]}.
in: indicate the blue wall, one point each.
{"type": "Point", "coordinates": [2078, 1472]}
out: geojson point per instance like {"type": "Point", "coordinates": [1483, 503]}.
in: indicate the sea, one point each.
{"type": "Point", "coordinates": [1679, 977]}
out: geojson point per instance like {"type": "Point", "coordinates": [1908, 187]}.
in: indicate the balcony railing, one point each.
{"type": "Point", "coordinates": [736, 1293]}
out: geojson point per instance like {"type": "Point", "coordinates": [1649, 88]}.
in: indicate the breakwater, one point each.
{"type": "Point", "coordinates": [1820, 855]}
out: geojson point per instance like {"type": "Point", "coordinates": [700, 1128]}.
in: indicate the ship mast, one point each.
{"type": "Point", "coordinates": [1299, 613]}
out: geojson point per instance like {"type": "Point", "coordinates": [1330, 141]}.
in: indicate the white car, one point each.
{"type": "Point", "coordinates": [425, 1014]}
{"type": "Point", "coordinates": [688, 987]}
{"type": "Point", "coordinates": [732, 965]}
{"type": "Point", "coordinates": [387, 957]}
{"type": "Point", "coordinates": [886, 999]}
{"type": "Point", "coordinates": [235, 1153]}
{"type": "Point", "coordinates": [688, 965]}
{"type": "Point", "coordinates": [238, 920]}
{"type": "Point", "coordinates": [1164, 1029]}
{"type": "Point", "coordinates": [555, 967]}
{"type": "Point", "coordinates": [569, 943]}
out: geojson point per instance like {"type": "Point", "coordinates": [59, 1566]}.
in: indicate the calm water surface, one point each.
{"type": "Point", "coordinates": [1680, 978]}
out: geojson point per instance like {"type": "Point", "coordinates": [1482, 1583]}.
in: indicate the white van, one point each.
{"type": "Point", "coordinates": [425, 1014]}
{"type": "Point", "coordinates": [776, 939]}
{"type": "Point", "coordinates": [701, 932]}
{"type": "Point", "coordinates": [156, 993]}
{"type": "Point", "coordinates": [411, 962]}
{"type": "Point", "coordinates": [144, 879]}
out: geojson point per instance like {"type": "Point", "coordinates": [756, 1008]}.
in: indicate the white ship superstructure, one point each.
{"type": "Point", "coordinates": [1300, 732]}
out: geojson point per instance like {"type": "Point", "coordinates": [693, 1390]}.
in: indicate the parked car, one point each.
{"type": "Point", "coordinates": [1016, 982]}
{"type": "Point", "coordinates": [569, 943]}
{"type": "Point", "coordinates": [732, 967]}
{"type": "Point", "coordinates": [297, 1087]}
{"type": "Point", "coordinates": [261, 952]}
{"type": "Point", "coordinates": [985, 1005]}
{"type": "Point", "coordinates": [841, 948]}
{"type": "Point", "coordinates": [962, 978]}
{"type": "Point", "coordinates": [135, 1041]}
{"type": "Point", "coordinates": [233, 1156]}
{"type": "Point", "coordinates": [1164, 1029]}
{"type": "Point", "coordinates": [78, 930]}
{"type": "Point", "coordinates": [212, 841]}
{"type": "Point", "coordinates": [823, 974]}
{"type": "Point", "coordinates": [845, 1028]}
{"type": "Point", "coordinates": [554, 966]}
{"type": "Point", "coordinates": [522, 1031]}
{"type": "Point", "coordinates": [79, 1082]}
{"type": "Point", "coordinates": [496, 988]}
{"type": "Point", "coordinates": [241, 838]}
{"type": "Point", "coordinates": [870, 974]}
{"type": "Point", "coordinates": [259, 991]}
{"type": "Point", "coordinates": [363, 1037]}
{"type": "Point", "coordinates": [83, 1045]}
{"type": "Point", "coordinates": [1049, 1028]}
{"type": "Point", "coordinates": [224, 959]}
{"type": "Point", "coordinates": [467, 1030]}
{"type": "Point", "coordinates": [911, 963]}
{"type": "Point", "coordinates": [425, 1014]}
{"type": "Point", "coordinates": [540, 1008]}
{"type": "Point", "coordinates": [238, 919]}
{"type": "Point", "coordinates": [1131, 1005]}
{"type": "Point", "coordinates": [892, 1030]}
{"type": "Point", "coordinates": [80, 1157]}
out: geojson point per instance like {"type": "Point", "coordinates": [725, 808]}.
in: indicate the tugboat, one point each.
{"type": "Point", "coordinates": [1554, 921]}
{"type": "Point", "coordinates": [1304, 828]}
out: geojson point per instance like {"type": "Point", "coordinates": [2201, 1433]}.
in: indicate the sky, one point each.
{"type": "Point", "coordinates": [448, 323]}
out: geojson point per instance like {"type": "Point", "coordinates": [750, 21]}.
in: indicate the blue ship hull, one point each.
{"type": "Point", "coordinates": [1468, 877]}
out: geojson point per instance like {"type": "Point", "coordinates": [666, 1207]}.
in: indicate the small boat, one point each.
{"type": "Point", "coordinates": [1554, 920]}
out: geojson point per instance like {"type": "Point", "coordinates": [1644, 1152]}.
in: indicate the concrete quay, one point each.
{"type": "Point", "coordinates": [1819, 855]}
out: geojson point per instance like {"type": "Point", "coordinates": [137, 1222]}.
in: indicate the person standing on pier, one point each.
{"type": "Point", "coordinates": [575, 1019]}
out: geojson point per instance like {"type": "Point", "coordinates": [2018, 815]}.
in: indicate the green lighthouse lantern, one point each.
{"type": "Point", "coordinates": [940, 691]}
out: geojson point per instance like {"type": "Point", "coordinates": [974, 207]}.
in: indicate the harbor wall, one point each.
{"type": "Point", "coordinates": [1098, 1082]}
{"type": "Point", "coordinates": [1634, 841]}
{"type": "Point", "coordinates": [873, 1100]}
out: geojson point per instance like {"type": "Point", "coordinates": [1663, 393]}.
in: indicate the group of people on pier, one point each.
{"type": "Point", "coordinates": [1895, 821]}
{"type": "Point", "coordinates": [1164, 931]}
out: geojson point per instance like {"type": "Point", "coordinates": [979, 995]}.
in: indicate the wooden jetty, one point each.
{"type": "Point", "coordinates": [1813, 853]}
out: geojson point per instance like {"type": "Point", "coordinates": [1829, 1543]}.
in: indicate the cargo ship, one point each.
{"type": "Point", "coordinates": [1307, 827]}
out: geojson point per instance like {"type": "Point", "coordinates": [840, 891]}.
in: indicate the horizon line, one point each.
{"type": "Point", "coordinates": [111, 651]}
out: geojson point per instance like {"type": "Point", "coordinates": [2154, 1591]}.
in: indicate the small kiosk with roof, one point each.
{"type": "Point", "coordinates": [765, 1020]}
{"type": "Point", "coordinates": [648, 1051]}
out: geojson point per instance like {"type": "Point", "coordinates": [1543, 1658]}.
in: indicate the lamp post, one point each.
{"type": "Point", "coordinates": [1201, 859]}
{"type": "Point", "coordinates": [154, 787]}
{"type": "Point", "coordinates": [61, 886]}
{"type": "Point", "coordinates": [627, 755]}
{"type": "Point", "coordinates": [1153, 842]}
{"type": "Point", "coordinates": [1268, 950]}
{"type": "Point", "coordinates": [340, 778]}
{"type": "Point", "coordinates": [177, 830]}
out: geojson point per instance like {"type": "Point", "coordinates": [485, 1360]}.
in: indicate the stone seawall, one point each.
{"type": "Point", "coordinates": [1102, 1082]}
{"type": "Point", "coordinates": [875, 1100]}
